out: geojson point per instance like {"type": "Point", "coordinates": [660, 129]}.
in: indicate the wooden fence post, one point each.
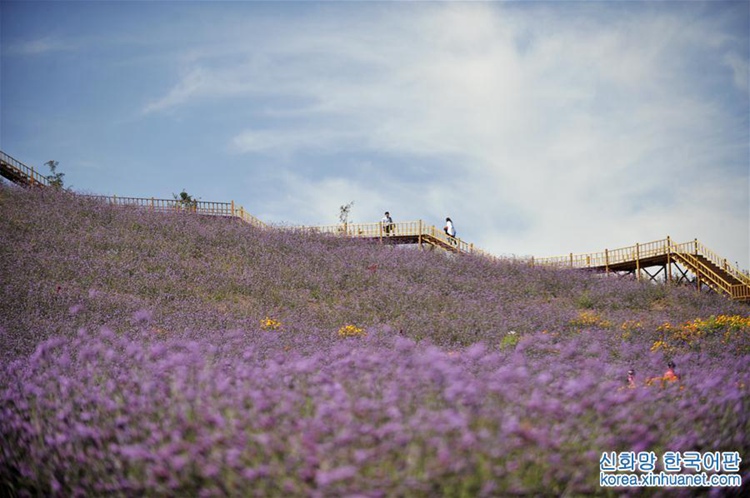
{"type": "Point", "coordinates": [669, 259]}
{"type": "Point", "coordinates": [606, 260]}
{"type": "Point", "coordinates": [637, 261]}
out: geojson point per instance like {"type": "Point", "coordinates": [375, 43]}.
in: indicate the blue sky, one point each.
{"type": "Point", "coordinates": [541, 128]}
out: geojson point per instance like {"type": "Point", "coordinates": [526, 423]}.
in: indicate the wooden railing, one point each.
{"type": "Point", "coordinates": [720, 262]}
{"type": "Point", "coordinates": [712, 279]}
{"type": "Point", "coordinates": [740, 292]}
{"type": "Point", "coordinates": [693, 254]}
{"type": "Point", "coordinates": [23, 170]}
{"type": "Point", "coordinates": [608, 257]}
{"type": "Point", "coordinates": [206, 208]}
{"type": "Point", "coordinates": [640, 252]}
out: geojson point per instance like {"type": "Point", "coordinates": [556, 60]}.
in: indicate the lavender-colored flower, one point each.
{"type": "Point", "coordinates": [164, 382]}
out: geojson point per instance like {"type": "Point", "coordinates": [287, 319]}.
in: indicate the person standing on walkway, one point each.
{"type": "Point", "coordinates": [450, 230]}
{"type": "Point", "coordinates": [387, 223]}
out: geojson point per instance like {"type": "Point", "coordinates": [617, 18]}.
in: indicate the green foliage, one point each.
{"type": "Point", "coordinates": [585, 301]}
{"type": "Point", "coordinates": [55, 178]}
{"type": "Point", "coordinates": [186, 200]}
{"type": "Point", "coordinates": [510, 340]}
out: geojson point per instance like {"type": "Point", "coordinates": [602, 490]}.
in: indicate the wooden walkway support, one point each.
{"type": "Point", "coordinates": [676, 261]}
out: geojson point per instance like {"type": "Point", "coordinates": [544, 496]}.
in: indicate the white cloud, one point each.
{"type": "Point", "coordinates": [570, 128]}
{"type": "Point", "coordinates": [195, 82]}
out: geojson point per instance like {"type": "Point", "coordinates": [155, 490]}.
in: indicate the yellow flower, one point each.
{"type": "Point", "coordinates": [270, 324]}
{"type": "Point", "coordinates": [664, 346]}
{"type": "Point", "coordinates": [631, 325]}
{"type": "Point", "coordinates": [590, 319]}
{"type": "Point", "coordinates": [351, 331]}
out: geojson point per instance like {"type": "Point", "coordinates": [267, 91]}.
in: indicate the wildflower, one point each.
{"type": "Point", "coordinates": [628, 327]}
{"type": "Point", "coordinates": [325, 478]}
{"type": "Point", "coordinates": [663, 346]}
{"type": "Point", "coordinates": [142, 316]}
{"type": "Point", "coordinates": [631, 325]}
{"type": "Point", "coordinates": [590, 319]}
{"type": "Point", "coordinates": [270, 324]}
{"type": "Point", "coordinates": [351, 331]}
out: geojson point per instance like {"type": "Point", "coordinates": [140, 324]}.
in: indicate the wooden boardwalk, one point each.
{"type": "Point", "coordinates": [674, 261]}
{"type": "Point", "coordinates": [19, 173]}
{"type": "Point", "coordinates": [671, 260]}
{"type": "Point", "coordinates": [410, 232]}
{"type": "Point", "coordinates": [203, 208]}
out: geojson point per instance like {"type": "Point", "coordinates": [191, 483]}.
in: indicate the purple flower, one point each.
{"type": "Point", "coordinates": [326, 478]}
{"type": "Point", "coordinates": [142, 316]}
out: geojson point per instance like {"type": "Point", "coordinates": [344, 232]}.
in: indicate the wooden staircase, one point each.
{"type": "Point", "coordinates": [19, 173]}
{"type": "Point", "coordinates": [710, 271]}
{"type": "Point", "coordinates": [715, 277]}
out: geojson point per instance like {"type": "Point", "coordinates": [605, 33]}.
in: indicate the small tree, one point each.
{"type": "Point", "coordinates": [55, 179]}
{"type": "Point", "coordinates": [186, 201]}
{"type": "Point", "coordinates": [344, 213]}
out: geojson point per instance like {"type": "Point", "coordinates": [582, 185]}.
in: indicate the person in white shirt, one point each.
{"type": "Point", "coordinates": [449, 229]}
{"type": "Point", "coordinates": [387, 223]}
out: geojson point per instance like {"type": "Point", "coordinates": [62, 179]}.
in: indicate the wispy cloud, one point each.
{"type": "Point", "coordinates": [40, 46]}
{"type": "Point", "coordinates": [740, 69]}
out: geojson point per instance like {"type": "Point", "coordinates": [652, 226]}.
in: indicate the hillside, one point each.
{"type": "Point", "coordinates": [69, 262]}
{"type": "Point", "coordinates": [302, 364]}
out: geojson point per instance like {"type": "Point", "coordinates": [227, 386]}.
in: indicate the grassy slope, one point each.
{"type": "Point", "coordinates": [67, 263]}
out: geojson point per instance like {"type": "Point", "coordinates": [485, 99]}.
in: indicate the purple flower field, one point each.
{"type": "Point", "coordinates": [148, 354]}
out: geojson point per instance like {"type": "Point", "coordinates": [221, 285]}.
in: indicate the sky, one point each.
{"type": "Point", "coordinates": [540, 128]}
